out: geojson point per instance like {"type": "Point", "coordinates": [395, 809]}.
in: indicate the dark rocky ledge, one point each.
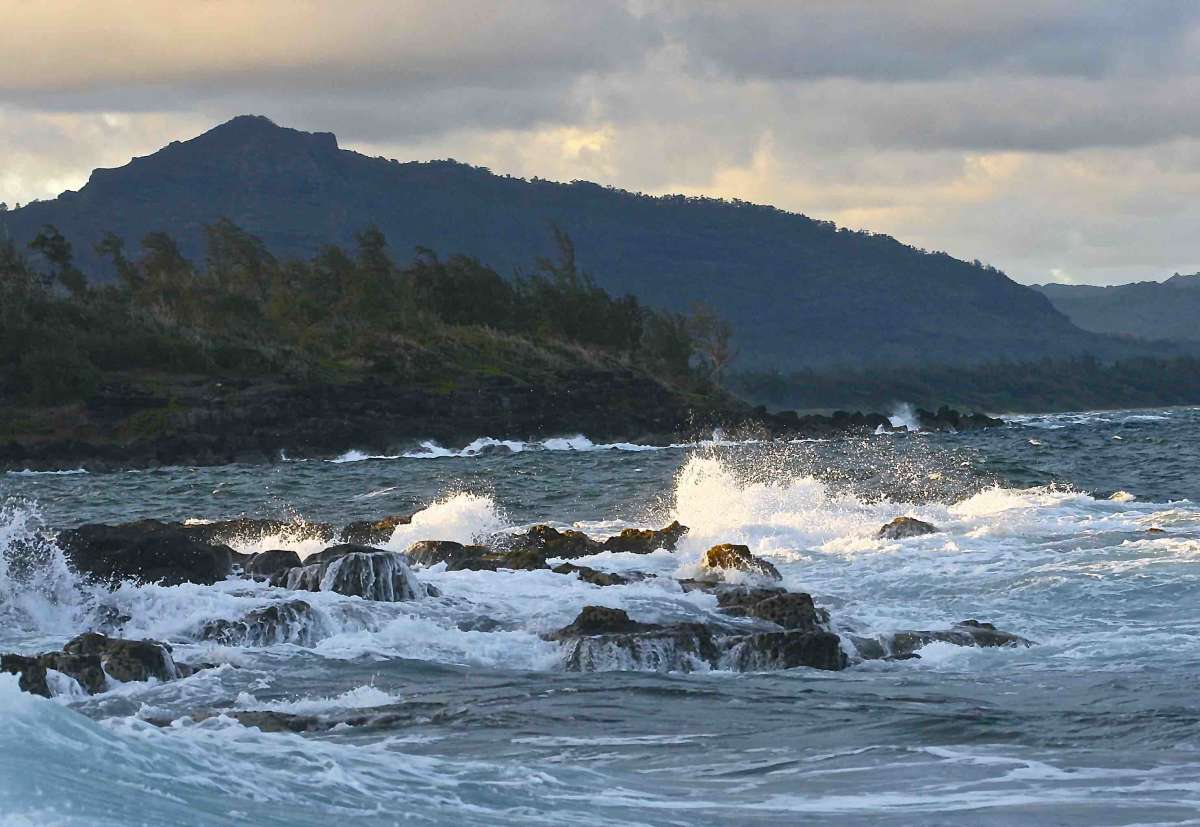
{"type": "Point", "coordinates": [211, 423]}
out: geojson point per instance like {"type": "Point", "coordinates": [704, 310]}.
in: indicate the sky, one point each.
{"type": "Point", "coordinates": [1057, 140]}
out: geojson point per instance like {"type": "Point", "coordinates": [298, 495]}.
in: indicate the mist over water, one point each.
{"type": "Point", "coordinates": [1043, 531]}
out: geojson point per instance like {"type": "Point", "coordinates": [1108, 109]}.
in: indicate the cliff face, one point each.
{"type": "Point", "coordinates": [798, 291]}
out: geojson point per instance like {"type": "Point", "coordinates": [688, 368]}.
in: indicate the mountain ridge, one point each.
{"type": "Point", "coordinates": [798, 290]}
{"type": "Point", "coordinates": [1147, 310]}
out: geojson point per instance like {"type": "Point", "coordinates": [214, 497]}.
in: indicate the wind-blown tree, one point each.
{"type": "Point", "coordinates": [713, 338]}
{"type": "Point", "coordinates": [56, 250]}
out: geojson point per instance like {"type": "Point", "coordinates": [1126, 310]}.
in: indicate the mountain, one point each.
{"type": "Point", "coordinates": [798, 291]}
{"type": "Point", "coordinates": [1151, 310]}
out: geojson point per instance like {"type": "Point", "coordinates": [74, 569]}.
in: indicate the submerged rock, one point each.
{"type": "Point", "coordinates": [731, 557]}
{"type": "Point", "coordinates": [590, 575]}
{"type": "Point", "coordinates": [91, 659]}
{"type": "Point", "coordinates": [901, 645]}
{"type": "Point", "coordinates": [357, 571]}
{"type": "Point", "coordinates": [292, 622]}
{"type": "Point", "coordinates": [902, 527]}
{"type": "Point", "coordinates": [148, 551]}
{"type": "Point", "coordinates": [372, 532]}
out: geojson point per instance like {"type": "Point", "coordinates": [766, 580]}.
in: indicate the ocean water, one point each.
{"type": "Point", "coordinates": [1044, 532]}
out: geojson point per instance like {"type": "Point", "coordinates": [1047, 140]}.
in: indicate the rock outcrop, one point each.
{"type": "Point", "coordinates": [147, 551]}
{"type": "Point", "coordinates": [903, 527]}
{"type": "Point", "coordinates": [373, 532]}
{"type": "Point", "coordinates": [292, 622]}
{"type": "Point", "coordinates": [602, 639]}
{"type": "Point", "coordinates": [731, 557]}
{"type": "Point", "coordinates": [906, 644]}
{"type": "Point", "coordinates": [266, 564]}
{"type": "Point", "coordinates": [359, 571]}
{"type": "Point", "coordinates": [91, 660]}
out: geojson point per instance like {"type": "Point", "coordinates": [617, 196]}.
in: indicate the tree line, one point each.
{"type": "Point", "coordinates": [245, 309]}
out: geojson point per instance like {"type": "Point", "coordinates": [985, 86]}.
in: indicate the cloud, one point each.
{"type": "Point", "coordinates": [1058, 135]}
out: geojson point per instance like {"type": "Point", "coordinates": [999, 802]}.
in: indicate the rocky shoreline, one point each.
{"type": "Point", "coordinates": [756, 625]}
{"type": "Point", "coordinates": [206, 423]}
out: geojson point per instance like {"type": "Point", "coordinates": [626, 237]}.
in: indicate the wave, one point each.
{"type": "Point", "coordinates": [28, 472]}
{"type": "Point", "coordinates": [576, 444]}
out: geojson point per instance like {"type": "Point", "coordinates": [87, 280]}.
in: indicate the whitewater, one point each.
{"type": "Point", "coordinates": [1079, 532]}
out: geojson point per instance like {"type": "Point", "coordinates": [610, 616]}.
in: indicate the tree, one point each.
{"type": "Point", "coordinates": [112, 246]}
{"type": "Point", "coordinates": [53, 247]}
{"type": "Point", "coordinates": [713, 337]}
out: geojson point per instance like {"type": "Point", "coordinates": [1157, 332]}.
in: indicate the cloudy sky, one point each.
{"type": "Point", "coordinates": [1058, 140]}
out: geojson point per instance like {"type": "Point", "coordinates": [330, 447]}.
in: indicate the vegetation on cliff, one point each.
{"type": "Point", "coordinates": [340, 315]}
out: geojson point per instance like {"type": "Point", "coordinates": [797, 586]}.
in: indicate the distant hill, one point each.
{"type": "Point", "coordinates": [798, 291]}
{"type": "Point", "coordinates": [1151, 310]}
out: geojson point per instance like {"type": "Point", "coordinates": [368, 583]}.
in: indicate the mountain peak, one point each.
{"type": "Point", "coordinates": [259, 129]}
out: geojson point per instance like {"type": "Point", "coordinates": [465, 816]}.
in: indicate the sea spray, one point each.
{"type": "Point", "coordinates": [38, 590]}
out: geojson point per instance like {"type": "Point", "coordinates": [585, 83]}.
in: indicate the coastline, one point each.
{"type": "Point", "coordinates": [207, 422]}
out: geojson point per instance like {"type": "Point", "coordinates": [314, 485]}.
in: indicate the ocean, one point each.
{"type": "Point", "coordinates": [457, 710]}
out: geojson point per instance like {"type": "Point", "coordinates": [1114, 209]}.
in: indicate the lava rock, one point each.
{"type": "Point", "coordinates": [250, 530]}
{"type": "Point", "coordinates": [590, 575]}
{"type": "Point", "coordinates": [372, 574]}
{"type": "Point", "coordinates": [644, 541]}
{"type": "Point", "coordinates": [766, 651]}
{"type": "Point", "coordinates": [791, 610]}
{"type": "Point", "coordinates": [292, 622]}
{"type": "Point", "coordinates": [549, 542]}
{"type": "Point", "coordinates": [432, 552]}
{"type": "Point", "coordinates": [601, 620]}
{"type": "Point", "coordinates": [902, 527]}
{"type": "Point", "coordinates": [147, 551]}
{"type": "Point", "coordinates": [267, 563]}
{"type": "Point", "coordinates": [967, 633]}
{"type": "Point", "coordinates": [372, 532]}
{"type": "Point", "coordinates": [731, 557]}
{"type": "Point", "coordinates": [91, 658]}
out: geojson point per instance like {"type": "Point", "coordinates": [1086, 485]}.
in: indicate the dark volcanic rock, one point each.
{"type": "Point", "coordinates": [602, 639]}
{"type": "Point", "coordinates": [372, 532]}
{"type": "Point", "coordinates": [590, 575]}
{"type": "Point", "coordinates": [729, 556]}
{"type": "Point", "coordinates": [91, 658]}
{"type": "Point", "coordinates": [432, 552]}
{"type": "Point", "coordinates": [495, 561]}
{"type": "Point", "coordinates": [328, 555]}
{"type": "Point", "coordinates": [292, 622]}
{"type": "Point", "coordinates": [966, 633]}
{"type": "Point", "coordinates": [902, 645]}
{"type": "Point", "coordinates": [267, 563]}
{"type": "Point", "coordinates": [644, 540]}
{"type": "Point", "coordinates": [549, 542]}
{"type": "Point", "coordinates": [146, 551]}
{"type": "Point", "coordinates": [791, 610]}
{"type": "Point", "coordinates": [601, 620]}
{"type": "Point", "coordinates": [249, 530]}
{"type": "Point", "coordinates": [903, 527]}
{"type": "Point", "coordinates": [358, 571]}
{"type": "Point", "coordinates": [785, 650]}
{"type": "Point", "coordinates": [948, 419]}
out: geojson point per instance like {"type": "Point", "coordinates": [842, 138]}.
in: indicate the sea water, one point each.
{"type": "Point", "coordinates": [1044, 531]}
